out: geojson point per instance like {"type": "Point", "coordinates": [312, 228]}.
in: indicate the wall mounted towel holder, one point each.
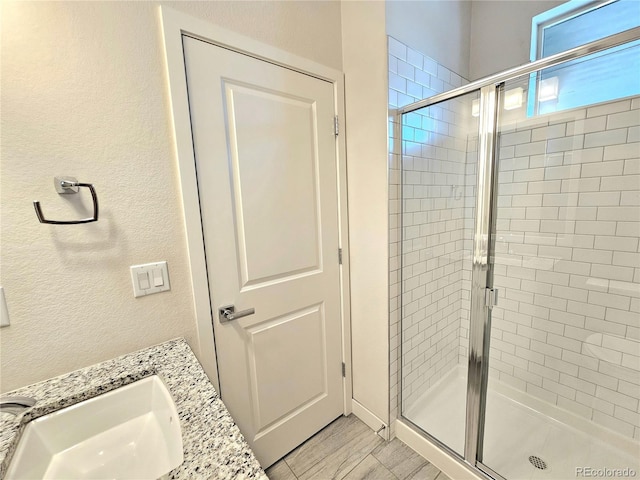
{"type": "Point", "coordinates": [64, 186]}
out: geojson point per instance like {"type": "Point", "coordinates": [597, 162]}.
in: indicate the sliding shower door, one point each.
{"type": "Point", "coordinates": [521, 268]}
{"type": "Point", "coordinates": [564, 380]}
{"type": "Point", "coordinates": [439, 158]}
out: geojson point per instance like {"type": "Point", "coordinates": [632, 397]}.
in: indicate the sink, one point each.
{"type": "Point", "coordinates": [130, 432]}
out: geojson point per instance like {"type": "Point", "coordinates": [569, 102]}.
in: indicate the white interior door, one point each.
{"type": "Point", "coordinates": [266, 165]}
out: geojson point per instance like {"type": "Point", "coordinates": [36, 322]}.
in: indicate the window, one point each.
{"type": "Point", "coordinates": [596, 78]}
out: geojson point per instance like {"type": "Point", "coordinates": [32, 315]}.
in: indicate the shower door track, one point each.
{"type": "Point", "coordinates": [479, 467]}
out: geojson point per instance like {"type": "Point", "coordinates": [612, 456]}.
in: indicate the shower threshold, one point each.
{"type": "Point", "coordinates": [525, 438]}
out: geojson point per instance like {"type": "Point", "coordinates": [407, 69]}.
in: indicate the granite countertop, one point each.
{"type": "Point", "coordinates": [214, 448]}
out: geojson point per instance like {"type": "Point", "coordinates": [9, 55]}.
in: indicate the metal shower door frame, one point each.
{"type": "Point", "coordinates": [482, 274]}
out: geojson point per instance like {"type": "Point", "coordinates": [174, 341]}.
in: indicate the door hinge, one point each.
{"type": "Point", "coordinates": [336, 125]}
{"type": "Point", "coordinates": [491, 297]}
{"type": "Point", "coordinates": [340, 256]}
{"type": "Point", "coordinates": [344, 370]}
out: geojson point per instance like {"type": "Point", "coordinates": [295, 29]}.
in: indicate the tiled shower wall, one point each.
{"type": "Point", "coordinates": [567, 328]}
{"type": "Point", "coordinates": [435, 193]}
{"type": "Point", "coordinates": [436, 197]}
{"type": "Point", "coordinates": [567, 255]}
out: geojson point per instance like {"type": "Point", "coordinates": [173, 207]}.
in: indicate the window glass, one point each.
{"type": "Point", "coordinates": [589, 26]}
{"type": "Point", "coordinates": [601, 77]}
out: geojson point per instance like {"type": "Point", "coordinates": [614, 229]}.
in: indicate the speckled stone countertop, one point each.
{"type": "Point", "coordinates": [214, 448]}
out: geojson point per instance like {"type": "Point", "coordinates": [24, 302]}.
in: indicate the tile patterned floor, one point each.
{"type": "Point", "coordinates": [348, 449]}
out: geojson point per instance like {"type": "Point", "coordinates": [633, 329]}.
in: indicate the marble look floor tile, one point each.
{"type": "Point", "coordinates": [370, 469]}
{"type": "Point", "coordinates": [327, 441]}
{"type": "Point", "coordinates": [280, 471]}
{"type": "Point", "coordinates": [348, 449]}
{"type": "Point", "coordinates": [398, 458]}
{"type": "Point", "coordinates": [427, 472]}
{"type": "Point", "coordinates": [340, 462]}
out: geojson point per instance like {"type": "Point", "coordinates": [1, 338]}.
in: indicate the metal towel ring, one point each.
{"type": "Point", "coordinates": [66, 185]}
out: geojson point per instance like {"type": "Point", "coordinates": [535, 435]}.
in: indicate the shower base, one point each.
{"type": "Point", "coordinates": [523, 434]}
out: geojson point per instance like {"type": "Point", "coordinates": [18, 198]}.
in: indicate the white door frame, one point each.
{"type": "Point", "coordinates": [174, 25]}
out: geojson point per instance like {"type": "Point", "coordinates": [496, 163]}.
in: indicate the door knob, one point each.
{"type": "Point", "coordinates": [228, 313]}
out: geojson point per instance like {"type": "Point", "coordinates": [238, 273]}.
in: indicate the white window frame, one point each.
{"type": "Point", "coordinates": [551, 17]}
{"type": "Point", "coordinates": [556, 15]}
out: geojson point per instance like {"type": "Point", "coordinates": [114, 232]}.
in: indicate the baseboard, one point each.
{"type": "Point", "coordinates": [443, 461]}
{"type": "Point", "coordinates": [370, 419]}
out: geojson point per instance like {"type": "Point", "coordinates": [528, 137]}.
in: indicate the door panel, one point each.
{"type": "Point", "coordinates": [301, 382]}
{"type": "Point", "coordinates": [278, 231]}
{"type": "Point", "coordinates": [266, 165]}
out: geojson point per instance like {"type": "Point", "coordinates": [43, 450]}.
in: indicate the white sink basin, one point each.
{"type": "Point", "coordinates": [130, 432]}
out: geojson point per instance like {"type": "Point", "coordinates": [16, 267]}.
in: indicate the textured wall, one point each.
{"type": "Point", "coordinates": [84, 93]}
{"type": "Point", "coordinates": [311, 29]}
{"type": "Point", "coordinates": [365, 68]}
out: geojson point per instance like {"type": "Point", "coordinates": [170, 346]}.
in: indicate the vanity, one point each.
{"type": "Point", "coordinates": [212, 445]}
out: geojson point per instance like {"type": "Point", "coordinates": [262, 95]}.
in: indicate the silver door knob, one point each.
{"type": "Point", "coordinates": [228, 313]}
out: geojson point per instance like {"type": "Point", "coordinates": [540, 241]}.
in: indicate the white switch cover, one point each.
{"type": "Point", "coordinates": [4, 312]}
{"type": "Point", "coordinates": [150, 278]}
{"type": "Point", "coordinates": [158, 277]}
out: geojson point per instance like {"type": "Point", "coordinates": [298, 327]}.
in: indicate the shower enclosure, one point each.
{"type": "Point", "coordinates": [520, 274]}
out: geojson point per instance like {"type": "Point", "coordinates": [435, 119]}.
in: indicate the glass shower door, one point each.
{"type": "Point", "coordinates": [439, 156]}
{"type": "Point", "coordinates": [541, 251]}
{"type": "Point", "coordinates": [563, 395]}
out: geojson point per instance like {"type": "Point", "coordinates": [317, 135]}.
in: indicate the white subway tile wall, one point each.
{"type": "Point", "coordinates": [435, 194]}
{"type": "Point", "coordinates": [567, 260]}
{"type": "Point", "coordinates": [438, 193]}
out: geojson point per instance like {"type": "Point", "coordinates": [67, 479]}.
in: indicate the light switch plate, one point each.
{"type": "Point", "coordinates": [150, 278]}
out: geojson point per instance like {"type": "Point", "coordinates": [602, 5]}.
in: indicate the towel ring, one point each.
{"type": "Point", "coordinates": [66, 185]}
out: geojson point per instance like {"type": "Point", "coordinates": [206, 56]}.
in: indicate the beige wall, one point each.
{"type": "Point", "coordinates": [474, 38]}
{"type": "Point", "coordinates": [364, 39]}
{"type": "Point", "coordinates": [501, 34]}
{"type": "Point", "coordinates": [437, 28]}
{"type": "Point", "coordinates": [84, 93]}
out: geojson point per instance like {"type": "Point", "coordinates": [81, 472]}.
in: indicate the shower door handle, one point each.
{"type": "Point", "coordinates": [228, 313]}
{"type": "Point", "coordinates": [491, 297]}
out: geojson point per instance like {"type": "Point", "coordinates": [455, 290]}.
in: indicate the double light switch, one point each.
{"type": "Point", "coordinates": [150, 278]}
